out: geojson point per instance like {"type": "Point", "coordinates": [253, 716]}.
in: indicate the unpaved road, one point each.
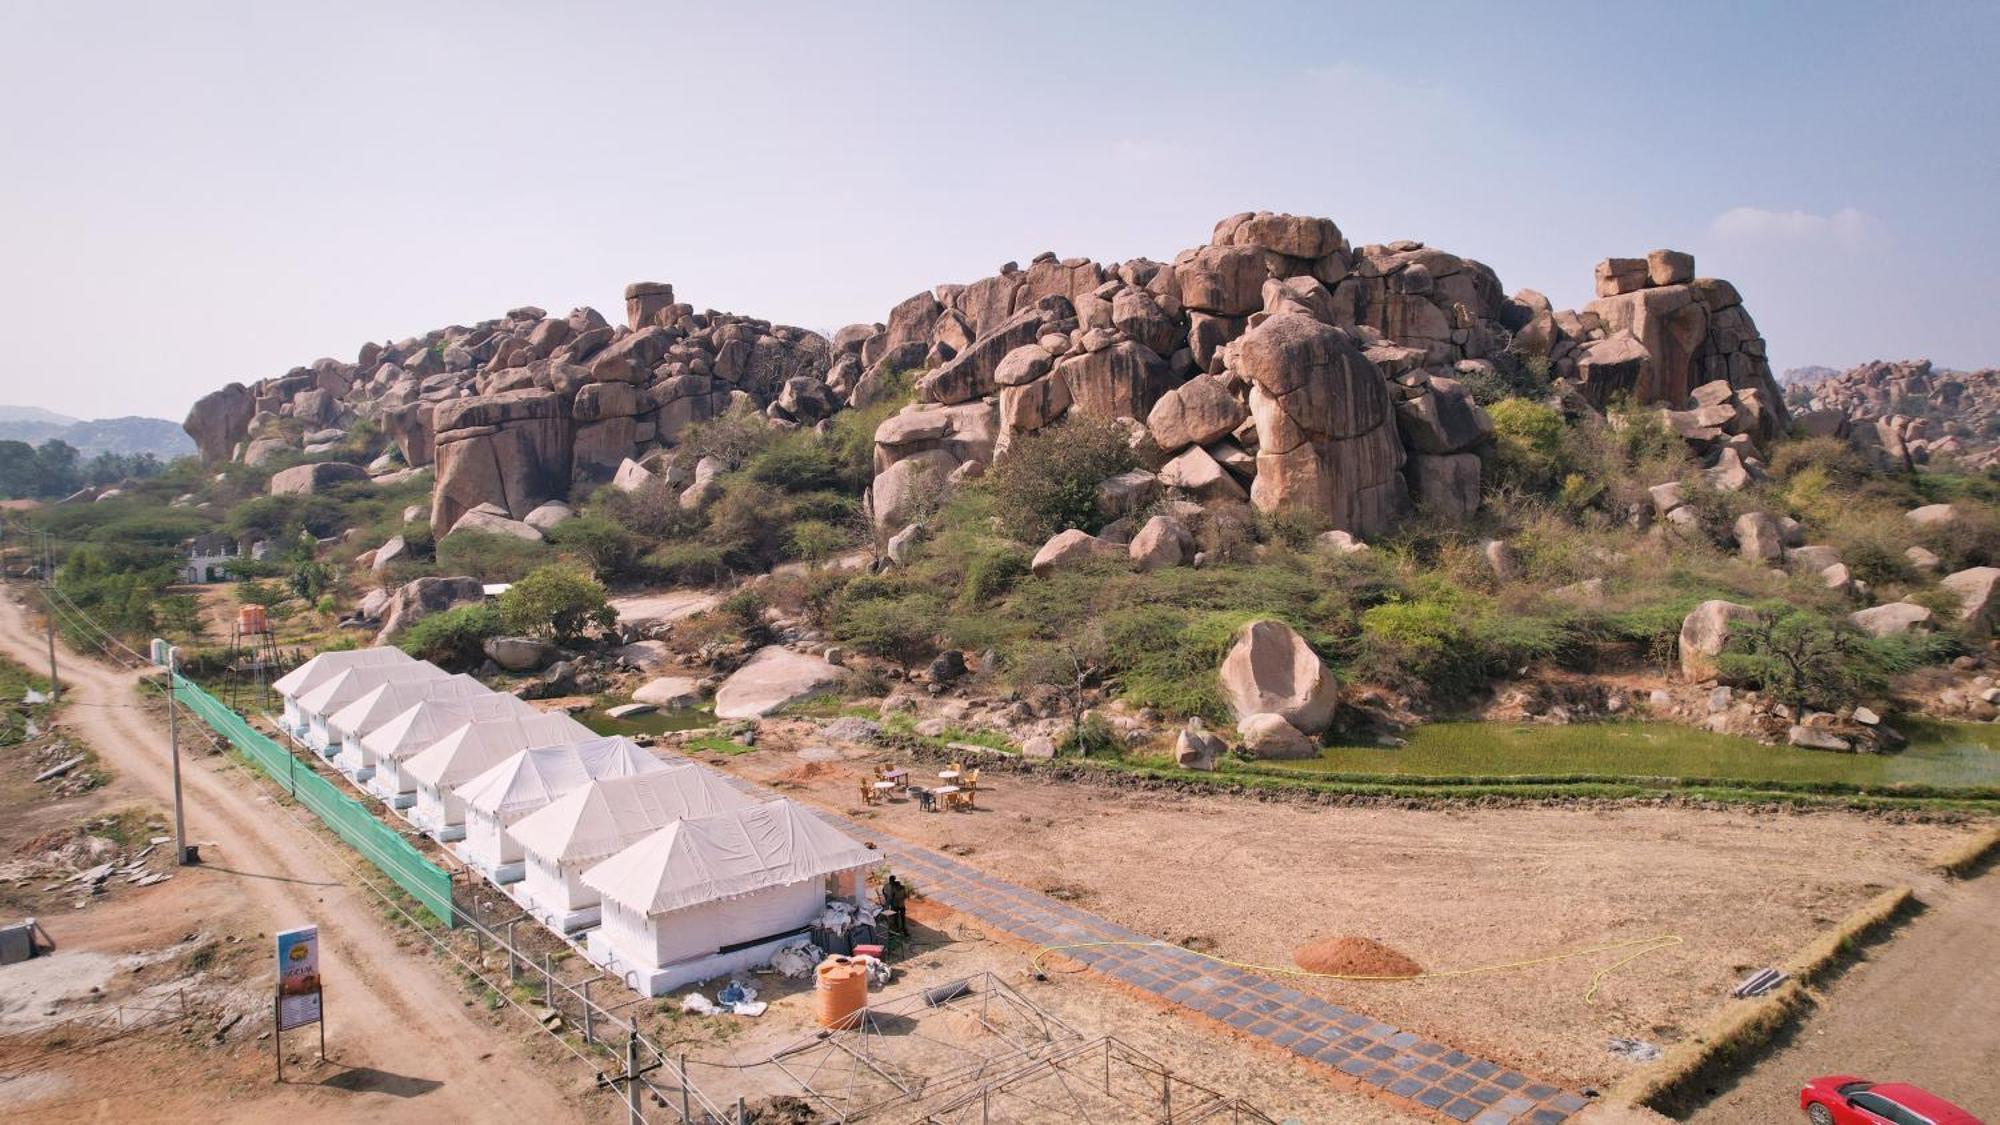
{"type": "Point", "coordinates": [396, 1023]}
{"type": "Point", "coordinates": [1918, 1009]}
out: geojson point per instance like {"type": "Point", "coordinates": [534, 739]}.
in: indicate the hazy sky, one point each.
{"type": "Point", "coordinates": [193, 193]}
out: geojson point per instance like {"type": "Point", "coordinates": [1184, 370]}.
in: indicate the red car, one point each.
{"type": "Point", "coordinates": [1842, 1099]}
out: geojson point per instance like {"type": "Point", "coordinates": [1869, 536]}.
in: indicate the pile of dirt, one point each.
{"type": "Point", "coordinates": [1354, 956]}
{"type": "Point", "coordinates": [806, 772]}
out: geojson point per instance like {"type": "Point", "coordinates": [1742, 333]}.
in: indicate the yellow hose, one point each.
{"type": "Point", "coordinates": [1639, 946]}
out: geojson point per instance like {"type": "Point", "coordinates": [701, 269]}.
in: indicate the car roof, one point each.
{"type": "Point", "coordinates": [1923, 1101]}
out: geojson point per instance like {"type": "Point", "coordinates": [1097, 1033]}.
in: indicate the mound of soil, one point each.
{"type": "Point", "coordinates": [1354, 956]}
{"type": "Point", "coordinates": [807, 771]}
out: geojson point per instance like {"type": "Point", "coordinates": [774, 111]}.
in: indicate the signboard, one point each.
{"type": "Point", "coordinates": [298, 977]}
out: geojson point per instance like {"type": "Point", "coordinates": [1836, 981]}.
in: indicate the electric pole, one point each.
{"type": "Point", "coordinates": [49, 604]}
{"type": "Point", "coordinates": [174, 741]}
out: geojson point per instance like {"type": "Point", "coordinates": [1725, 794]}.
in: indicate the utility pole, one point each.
{"type": "Point", "coordinates": [174, 741]}
{"type": "Point", "coordinates": [49, 605]}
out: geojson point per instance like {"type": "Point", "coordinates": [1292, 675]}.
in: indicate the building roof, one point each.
{"type": "Point", "coordinates": [425, 722]}
{"type": "Point", "coordinates": [327, 665]}
{"type": "Point", "coordinates": [726, 855]}
{"type": "Point", "coordinates": [352, 683]}
{"type": "Point", "coordinates": [386, 701]}
{"type": "Point", "coordinates": [604, 816]}
{"type": "Point", "coordinates": [536, 777]}
{"type": "Point", "coordinates": [476, 747]}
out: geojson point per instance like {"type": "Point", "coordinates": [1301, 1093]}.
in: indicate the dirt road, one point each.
{"type": "Point", "coordinates": [1919, 1009]}
{"type": "Point", "coordinates": [407, 1047]}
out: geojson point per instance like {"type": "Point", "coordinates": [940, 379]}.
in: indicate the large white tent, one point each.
{"type": "Point", "coordinates": [530, 780]}
{"type": "Point", "coordinates": [349, 725]}
{"type": "Point", "coordinates": [317, 706]}
{"type": "Point", "coordinates": [471, 750]}
{"type": "Point", "coordinates": [324, 667]}
{"type": "Point", "coordinates": [720, 893]}
{"type": "Point", "coordinates": [596, 822]}
{"type": "Point", "coordinates": [389, 746]}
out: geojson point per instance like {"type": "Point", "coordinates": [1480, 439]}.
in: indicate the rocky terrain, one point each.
{"type": "Point", "coordinates": [1930, 413]}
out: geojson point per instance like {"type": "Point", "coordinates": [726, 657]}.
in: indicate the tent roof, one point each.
{"type": "Point", "coordinates": [389, 700]}
{"type": "Point", "coordinates": [431, 719]}
{"type": "Point", "coordinates": [533, 778]}
{"type": "Point", "coordinates": [327, 665]}
{"type": "Point", "coordinates": [726, 855]}
{"type": "Point", "coordinates": [353, 683]}
{"type": "Point", "coordinates": [600, 818]}
{"type": "Point", "coordinates": [476, 747]}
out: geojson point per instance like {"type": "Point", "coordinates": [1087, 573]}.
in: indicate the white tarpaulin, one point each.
{"type": "Point", "coordinates": [327, 665]}
{"type": "Point", "coordinates": [604, 816]}
{"type": "Point", "coordinates": [476, 747]}
{"type": "Point", "coordinates": [736, 852]}
{"type": "Point", "coordinates": [394, 697]}
{"type": "Point", "coordinates": [533, 778]}
{"type": "Point", "coordinates": [424, 723]}
{"type": "Point", "coordinates": [353, 683]}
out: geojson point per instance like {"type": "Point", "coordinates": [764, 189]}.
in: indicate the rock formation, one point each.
{"type": "Point", "coordinates": [1909, 411]}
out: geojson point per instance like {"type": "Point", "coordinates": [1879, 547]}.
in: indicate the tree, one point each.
{"type": "Point", "coordinates": [1801, 658]}
{"type": "Point", "coordinates": [1071, 665]}
{"type": "Point", "coordinates": [900, 630]}
{"type": "Point", "coordinates": [557, 601]}
{"type": "Point", "coordinates": [1048, 480]}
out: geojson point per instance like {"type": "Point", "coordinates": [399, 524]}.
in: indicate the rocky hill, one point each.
{"type": "Point", "coordinates": [1275, 362]}
{"type": "Point", "coordinates": [1934, 414]}
{"type": "Point", "coordinates": [124, 436]}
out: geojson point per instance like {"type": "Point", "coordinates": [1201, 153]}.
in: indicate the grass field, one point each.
{"type": "Point", "coordinates": [1940, 754]}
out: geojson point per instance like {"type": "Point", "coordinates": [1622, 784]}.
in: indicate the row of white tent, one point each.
{"type": "Point", "coordinates": [676, 875]}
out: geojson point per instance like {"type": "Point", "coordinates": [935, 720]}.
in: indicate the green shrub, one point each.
{"type": "Point", "coordinates": [611, 551]}
{"type": "Point", "coordinates": [689, 564]}
{"type": "Point", "coordinates": [454, 638]}
{"type": "Point", "coordinates": [558, 602]}
{"type": "Point", "coordinates": [1048, 481]}
{"type": "Point", "coordinates": [1803, 658]}
{"type": "Point", "coordinates": [489, 557]}
{"type": "Point", "coordinates": [990, 574]}
{"type": "Point", "coordinates": [797, 462]}
{"type": "Point", "coordinates": [902, 631]}
{"type": "Point", "coordinates": [851, 436]}
{"type": "Point", "coordinates": [1527, 446]}
{"type": "Point", "coordinates": [815, 540]}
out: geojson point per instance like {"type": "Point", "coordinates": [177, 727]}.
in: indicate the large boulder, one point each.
{"type": "Point", "coordinates": [510, 449]}
{"type": "Point", "coordinates": [1072, 548]}
{"type": "Point", "coordinates": [772, 678]}
{"type": "Point", "coordinates": [671, 692]}
{"type": "Point", "coordinates": [1893, 619]}
{"type": "Point", "coordinates": [1706, 632]}
{"type": "Point", "coordinates": [1442, 418]}
{"type": "Point", "coordinates": [305, 480]}
{"type": "Point", "coordinates": [1162, 543]}
{"type": "Point", "coordinates": [1445, 486]}
{"type": "Point", "coordinates": [1759, 538]}
{"type": "Point", "coordinates": [220, 419]}
{"type": "Point", "coordinates": [1197, 412]}
{"type": "Point", "coordinates": [519, 654]}
{"type": "Point", "coordinates": [1975, 589]}
{"type": "Point", "coordinates": [416, 600]}
{"type": "Point", "coordinates": [1271, 670]}
{"type": "Point", "coordinates": [1121, 381]}
{"type": "Point", "coordinates": [1270, 736]}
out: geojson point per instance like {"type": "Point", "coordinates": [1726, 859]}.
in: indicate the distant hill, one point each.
{"type": "Point", "coordinates": [1805, 376]}
{"type": "Point", "coordinates": [165, 440]}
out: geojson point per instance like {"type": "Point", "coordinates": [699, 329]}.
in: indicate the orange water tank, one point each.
{"type": "Point", "coordinates": [840, 992]}
{"type": "Point", "coordinates": [251, 620]}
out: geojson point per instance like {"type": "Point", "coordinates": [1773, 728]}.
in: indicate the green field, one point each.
{"type": "Point", "coordinates": [1939, 754]}
{"type": "Point", "coordinates": [652, 722]}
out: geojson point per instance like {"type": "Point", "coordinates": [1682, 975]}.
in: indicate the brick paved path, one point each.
{"type": "Point", "coordinates": [1430, 1074]}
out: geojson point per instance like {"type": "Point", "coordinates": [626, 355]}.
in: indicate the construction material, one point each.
{"type": "Point", "coordinates": [1355, 957]}
{"type": "Point", "coordinates": [60, 768]}
{"type": "Point", "coordinates": [840, 992]}
{"type": "Point", "coordinates": [1759, 982]}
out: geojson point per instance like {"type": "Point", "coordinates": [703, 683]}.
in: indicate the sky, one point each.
{"type": "Point", "coordinates": [198, 193]}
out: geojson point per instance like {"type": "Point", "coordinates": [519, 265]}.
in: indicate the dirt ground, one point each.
{"type": "Point", "coordinates": [1916, 1009]}
{"type": "Point", "coordinates": [1454, 889]}
{"type": "Point", "coordinates": [405, 1044]}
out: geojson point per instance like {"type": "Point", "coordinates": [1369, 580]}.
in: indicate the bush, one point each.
{"type": "Point", "coordinates": [798, 462]}
{"type": "Point", "coordinates": [1048, 481]}
{"type": "Point", "coordinates": [1803, 658]}
{"type": "Point", "coordinates": [489, 557]}
{"type": "Point", "coordinates": [990, 574]}
{"type": "Point", "coordinates": [689, 564]}
{"type": "Point", "coordinates": [815, 540]}
{"type": "Point", "coordinates": [902, 631]}
{"type": "Point", "coordinates": [454, 638]}
{"type": "Point", "coordinates": [611, 551]}
{"type": "Point", "coordinates": [557, 602]}
{"type": "Point", "coordinates": [1527, 445]}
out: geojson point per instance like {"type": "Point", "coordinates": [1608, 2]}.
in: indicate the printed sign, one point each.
{"type": "Point", "coordinates": [298, 977]}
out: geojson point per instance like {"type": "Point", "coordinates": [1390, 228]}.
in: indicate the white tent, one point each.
{"type": "Point", "coordinates": [471, 750]}
{"type": "Point", "coordinates": [531, 779]}
{"type": "Point", "coordinates": [317, 706]}
{"type": "Point", "coordinates": [349, 725]}
{"type": "Point", "coordinates": [597, 821]}
{"type": "Point", "coordinates": [719, 893]}
{"type": "Point", "coordinates": [324, 667]}
{"type": "Point", "coordinates": [387, 747]}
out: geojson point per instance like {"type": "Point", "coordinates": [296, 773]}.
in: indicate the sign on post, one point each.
{"type": "Point", "coordinates": [300, 999]}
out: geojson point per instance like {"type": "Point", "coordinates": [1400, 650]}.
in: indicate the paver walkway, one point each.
{"type": "Point", "coordinates": [1400, 1062]}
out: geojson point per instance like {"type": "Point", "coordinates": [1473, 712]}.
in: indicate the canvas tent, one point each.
{"type": "Point", "coordinates": [349, 725]}
{"type": "Point", "coordinates": [530, 780]}
{"type": "Point", "coordinates": [720, 893]}
{"type": "Point", "coordinates": [324, 667]}
{"type": "Point", "coordinates": [316, 707]}
{"type": "Point", "coordinates": [388, 747]}
{"type": "Point", "coordinates": [597, 821]}
{"type": "Point", "coordinates": [471, 750]}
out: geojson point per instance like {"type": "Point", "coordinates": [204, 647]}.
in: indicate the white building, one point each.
{"type": "Point", "coordinates": [720, 893]}
{"type": "Point", "coordinates": [595, 822]}
{"type": "Point", "coordinates": [349, 725]}
{"type": "Point", "coordinates": [324, 667]}
{"type": "Point", "coordinates": [317, 706]}
{"type": "Point", "coordinates": [529, 780]}
{"type": "Point", "coordinates": [471, 750]}
{"type": "Point", "coordinates": [385, 749]}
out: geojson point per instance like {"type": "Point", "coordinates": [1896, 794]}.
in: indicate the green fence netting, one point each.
{"type": "Point", "coordinates": [380, 844]}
